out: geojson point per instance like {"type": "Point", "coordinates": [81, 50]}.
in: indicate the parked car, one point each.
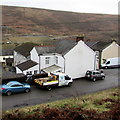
{"type": "Point", "coordinates": [95, 75]}
{"type": "Point", "coordinates": [14, 87]}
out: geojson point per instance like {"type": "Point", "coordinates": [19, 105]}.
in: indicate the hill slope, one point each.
{"type": "Point", "coordinates": [20, 20]}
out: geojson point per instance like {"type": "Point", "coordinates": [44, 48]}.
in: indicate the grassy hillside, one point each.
{"type": "Point", "coordinates": [20, 20]}
{"type": "Point", "coordinates": [102, 105]}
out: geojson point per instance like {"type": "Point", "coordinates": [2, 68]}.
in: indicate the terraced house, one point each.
{"type": "Point", "coordinates": [69, 56]}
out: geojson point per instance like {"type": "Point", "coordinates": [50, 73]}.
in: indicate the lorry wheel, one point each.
{"type": "Point", "coordinates": [103, 78]}
{"type": "Point", "coordinates": [106, 67]}
{"type": "Point", "coordinates": [70, 84]}
{"type": "Point", "coordinates": [94, 79]}
{"type": "Point", "coordinates": [49, 88]}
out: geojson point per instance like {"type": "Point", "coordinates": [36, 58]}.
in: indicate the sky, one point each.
{"type": "Point", "coordinates": [82, 6]}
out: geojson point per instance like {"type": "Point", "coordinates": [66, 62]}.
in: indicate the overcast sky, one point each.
{"type": "Point", "coordinates": [83, 6]}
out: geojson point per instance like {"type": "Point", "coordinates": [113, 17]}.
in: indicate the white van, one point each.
{"type": "Point", "coordinates": [111, 63]}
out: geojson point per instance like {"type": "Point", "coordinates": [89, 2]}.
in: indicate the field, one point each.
{"type": "Point", "coordinates": [103, 105]}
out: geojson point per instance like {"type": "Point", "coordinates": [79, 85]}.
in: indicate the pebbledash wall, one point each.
{"type": "Point", "coordinates": [79, 59]}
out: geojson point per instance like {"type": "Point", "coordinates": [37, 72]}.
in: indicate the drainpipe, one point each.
{"type": "Point", "coordinates": [39, 65]}
{"type": "Point", "coordinates": [95, 62]}
{"type": "Point", "coordinates": [100, 58]}
{"type": "Point", "coordinates": [64, 63]}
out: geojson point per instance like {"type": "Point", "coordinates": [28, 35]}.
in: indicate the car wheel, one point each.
{"type": "Point", "coordinates": [8, 93]}
{"type": "Point", "coordinates": [70, 84]}
{"type": "Point", "coordinates": [94, 79]}
{"type": "Point", "coordinates": [49, 88]}
{"type": "Point", "coordinates": [27, 90]}
{"type": "Point", "coordinates": [103, 78]}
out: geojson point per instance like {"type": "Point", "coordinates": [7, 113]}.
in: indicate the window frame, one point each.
{"type": "Point", "coordinates": [56, 60]}
{"type": "Point", "coordinates": [47, 60]}
{"type": "Point", "coordinates": [35, 71]}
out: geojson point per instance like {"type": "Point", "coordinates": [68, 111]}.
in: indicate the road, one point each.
{"type": "Point", "coordinates": [79, 87]}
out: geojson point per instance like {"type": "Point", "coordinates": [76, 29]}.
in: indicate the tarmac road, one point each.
{"type": "Point", "coordinates": [79, 87]}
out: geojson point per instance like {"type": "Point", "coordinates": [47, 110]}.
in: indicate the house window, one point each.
{"type": "Point", "coordinates": [47, 60]}
{"type": "Point", "coordinates": [29, 73]}
{"type": "Point", "coordinates": [35, 71]}
{"type": "Point", "coordinates": [56, 60]}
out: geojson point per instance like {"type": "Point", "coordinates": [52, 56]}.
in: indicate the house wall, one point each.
{"type": "Point", "coordinates": [34, 55]}
{"type": "Point", "coordinates": [79, 59]}
{"type": "Point", "coordinates": [52, 61]}
{"type": "Point", "coordinates": [2, 60]}
{"type": "Point", "coordinates": [18, 70]}
{"type": "Point", "coordinates": [18, 58]}
{"type": "Point", "coordinates": [61, 62]}
{"type": "Point", "coordinates": [110, 52]}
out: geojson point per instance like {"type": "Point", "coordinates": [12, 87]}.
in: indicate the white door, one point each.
{"type": "Point", "coordinates": [62, 80]}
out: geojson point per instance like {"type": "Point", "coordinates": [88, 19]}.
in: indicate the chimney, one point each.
{"type": "Point", "coordinates": [113, 40]}
{"type": "Point", "coordinates": [80, 37]}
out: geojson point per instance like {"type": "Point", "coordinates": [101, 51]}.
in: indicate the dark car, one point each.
{"type": "Point", "coordinates": [14, 87]}
{"type": "Point", "coordinates": [94, 75]}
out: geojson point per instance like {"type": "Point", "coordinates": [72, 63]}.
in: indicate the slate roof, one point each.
{"type": "Point", "coordinates": [26, 65]}
{"type": "Point", "coordinates": [99, 45]}
{"type": "Point", "coordinates": [45, 49]}
{"type": "Point", "coordinates": [61, 47]}
{"type": "Point", "coordinates": [25, 49]}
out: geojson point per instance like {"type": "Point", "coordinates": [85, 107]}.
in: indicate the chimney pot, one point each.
{"type": "Point", "coordinates": [78, 38]}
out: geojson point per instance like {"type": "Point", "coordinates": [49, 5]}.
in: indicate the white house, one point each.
{"type": "Point", "coordinates": [73, 58]}
{"type": "Point", "coordinates": [48, 59]}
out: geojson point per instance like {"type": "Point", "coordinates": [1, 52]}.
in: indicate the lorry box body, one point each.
{"type": "Point", "coordinates": [111, 63]}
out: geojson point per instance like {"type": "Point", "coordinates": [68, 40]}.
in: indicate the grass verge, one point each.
{"type": "Point", "coordinates": [102, 105]}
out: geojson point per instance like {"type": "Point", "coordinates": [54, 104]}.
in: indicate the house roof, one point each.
{"type": "Point", "coordinates": [6, 52]}
{"type": "Point", "coordinates": [99, 45]}
{"type": "Point", "coordinates": [61, 47]}
{"type": "Point", "coordinates": [45, 49]}
{"type": "Point", "coordinates": [25, 49]}
{"type": "Point", "coordinates": [26, 65]}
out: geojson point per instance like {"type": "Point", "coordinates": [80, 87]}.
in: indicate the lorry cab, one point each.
{"type": "Point", "coordinates": [63, 79]}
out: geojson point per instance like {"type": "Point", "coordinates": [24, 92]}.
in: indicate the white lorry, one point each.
{"type": "Point", "coordinates": [111, 63]}
{"type": "Point", "coordinates": [56, 79]}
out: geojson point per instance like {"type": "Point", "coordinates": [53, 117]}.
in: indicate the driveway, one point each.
{"type": "Point", "coordinates": [79, 87]}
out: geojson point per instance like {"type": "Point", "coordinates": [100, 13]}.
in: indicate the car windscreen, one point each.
{"type": "Point", "coordinates": [88, 72]}
{"type": "Point", "coordinates": [9, 84]}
